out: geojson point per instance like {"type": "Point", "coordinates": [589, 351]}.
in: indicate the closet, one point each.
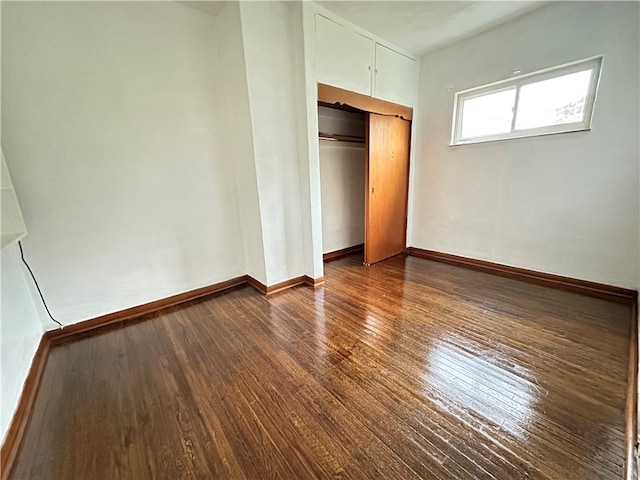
{"type": "Point", "coordinates": [364, 173]}
{"type": "Point", "coordinates": [342, 180]}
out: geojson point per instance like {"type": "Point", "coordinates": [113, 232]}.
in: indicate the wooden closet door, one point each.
{"type": "Point", "coordinates": [387, 180]}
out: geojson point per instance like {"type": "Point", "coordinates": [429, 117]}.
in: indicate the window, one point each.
{"type": "Point", "coordinates": [555, 100]}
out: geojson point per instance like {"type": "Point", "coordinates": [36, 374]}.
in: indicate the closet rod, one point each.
{"type": "Point", "coordinates": [340, 138]}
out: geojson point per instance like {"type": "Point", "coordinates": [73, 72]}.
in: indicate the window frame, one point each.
{"type": "Point", "coordinates": [592, 63]}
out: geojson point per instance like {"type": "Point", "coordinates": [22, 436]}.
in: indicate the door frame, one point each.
{"type": "Point", "coordinates": [339, 98]}
{"type": "Point", "coordinates": [334, 96]}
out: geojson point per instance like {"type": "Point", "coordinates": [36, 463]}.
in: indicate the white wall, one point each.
{"type": "Point", "coordinates": [304, 105]}
{"type": "Point", "coordinates": [564, 204]}
{"type": "Point", "coordinates": [342, 179]}
{"type": "Point", "coordinates": [341, 122]}
{"type": "Point", "coordinates": [20, 332]}
{"type": "Point", "coordinates": [268, 52]}
{"type": "Point", "coordinates": [342, 172]}
{"type": "Point", "coordinates": [309, 155]}
{"type": "Point", "coordinates": [111, 129]}
{"type": "Point", "coordinates": [238, 136]}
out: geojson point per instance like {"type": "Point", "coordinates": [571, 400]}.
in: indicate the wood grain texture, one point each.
{"type": "Point", "coordinates": [314, 282]}
{"type": "Point", "coordinates": [292, 282]}
{"type": "Point", "coordinates": [137, 311]}
{"type": "Point", "coordinates": [386, 187]}
{"type": "Point", "coordinates": [257, 285]}
{"type": "Point", "coordinates": [330, 96]}
{"type": "Point", "coordinates": [592, 289]}
{"type": "Point", "coordinates": [403, 370]}
{"type": "Point", "coordinates": [343, 252]}
{"type": "Point", "coordinates": [278, 287]}
{"type": "Point", "coordinates": [20, 420]}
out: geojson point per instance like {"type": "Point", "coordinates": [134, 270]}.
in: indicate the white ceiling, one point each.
{"type": "Point", "coordinates": [422, 26]}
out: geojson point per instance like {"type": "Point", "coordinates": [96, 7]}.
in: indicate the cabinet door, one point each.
{"type": "Point", "coordinates": [387, 182]}
{"type": "Point", "coordinates": [396, 76]}
{"type": "Point", "coordinates": [344, 57]}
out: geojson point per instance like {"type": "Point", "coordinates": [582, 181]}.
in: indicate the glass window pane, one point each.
{"type": "Point", "coordinates": [553, 102]}
{"type": "Point", "coordinates": [489, 114]}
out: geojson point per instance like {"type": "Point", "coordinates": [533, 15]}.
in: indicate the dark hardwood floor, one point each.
{"type": "Point", "coordinates": [406, 369]}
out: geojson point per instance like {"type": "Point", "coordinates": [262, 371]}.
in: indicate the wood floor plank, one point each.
{"type": "Point", "coordinates": [486, 408]}
{"type": "Point", "coordinates": [324, 406]}
{"type": "Point", "coordinates": [405, 369]}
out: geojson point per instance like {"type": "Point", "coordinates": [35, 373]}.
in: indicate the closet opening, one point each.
{"type": "Point", "coordinates": [364, 174]}
{"type": "Point", "coordinates": [343, 157]}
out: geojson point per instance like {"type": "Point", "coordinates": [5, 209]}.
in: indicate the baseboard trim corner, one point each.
{"type": "Point", "coordinates": [592, 289]}
{"type": "Point", "coordinates": [256, 284]}
{"type": "Point", "coordinates": [584, 287]}
{"type": "Point", "coordinates": [279, 287]}
{"type": "Point", "coordinates": [20, 419]}
{"type": "Point", "coordinates": [120, 316]}
{"type": "Point", "coordinates": [314, 282]}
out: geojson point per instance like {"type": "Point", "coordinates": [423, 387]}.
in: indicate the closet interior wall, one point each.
{"type": "Point", "coordinates": [342, 177]}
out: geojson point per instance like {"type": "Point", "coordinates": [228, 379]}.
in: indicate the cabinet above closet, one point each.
{"type": "Point", "coordinates": [350, 60]}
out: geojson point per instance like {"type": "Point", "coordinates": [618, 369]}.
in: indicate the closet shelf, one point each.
{"type": "Point", "coordinates": [340, 138]}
